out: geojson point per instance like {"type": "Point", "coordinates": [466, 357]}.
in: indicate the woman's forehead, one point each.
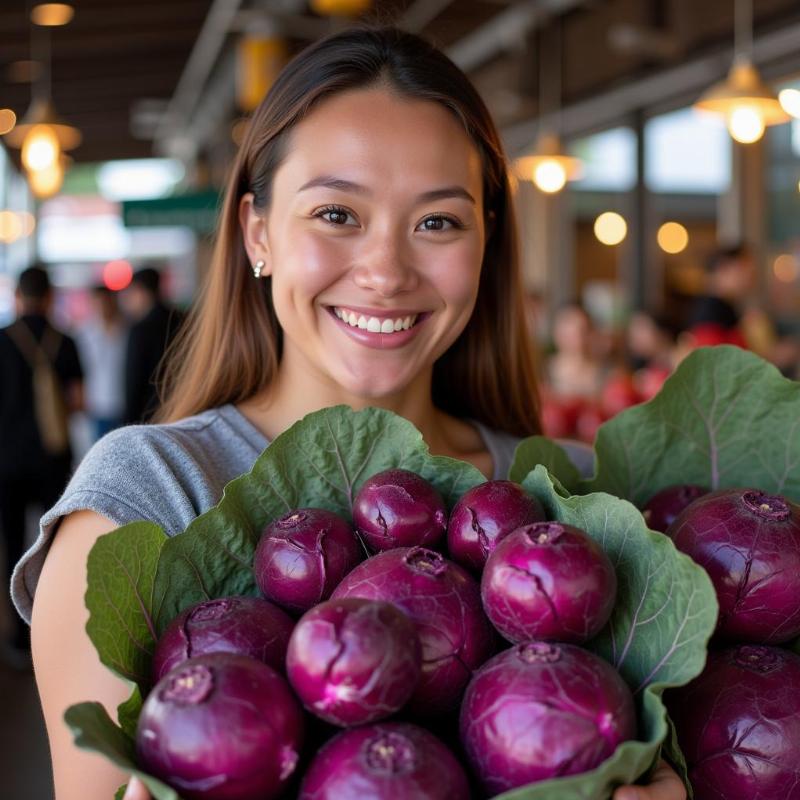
{"type": "Point", "coordinates": [375, 136]}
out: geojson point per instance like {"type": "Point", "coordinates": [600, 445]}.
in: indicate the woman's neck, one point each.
{"type": "Point", "coordinates": [294, 394]}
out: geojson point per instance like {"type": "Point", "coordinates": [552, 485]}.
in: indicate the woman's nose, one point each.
{"type": "Point", "coordinates": [385, 266]}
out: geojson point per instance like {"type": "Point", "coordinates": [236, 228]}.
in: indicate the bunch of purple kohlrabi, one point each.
{"type": "Point", "coordinates": [390, 647]}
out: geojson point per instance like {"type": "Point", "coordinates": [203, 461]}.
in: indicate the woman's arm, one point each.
{"type": "Point", "coordinates": [66, 664]}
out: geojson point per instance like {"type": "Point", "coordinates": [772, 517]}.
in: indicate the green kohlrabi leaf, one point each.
{"type": "Point", "coordinates": [540, 450]}
{"type": "Point", "coordinates": [726, 418]}
{"type": "Point", "coordinates": [128, 712]}
{"type": "Point", "coordinates": [93, 730]}
{"type": "Point", "coordinates": [120, 573]}
{"type": "Point", "coordinates": [665, 614]}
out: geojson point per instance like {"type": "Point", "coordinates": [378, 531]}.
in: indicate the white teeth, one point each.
{"type": "Point", "coordinates": [375, 324]}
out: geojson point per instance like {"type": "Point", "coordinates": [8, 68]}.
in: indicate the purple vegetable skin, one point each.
{"type": "Point", "coordinates": [540, 711]}
{"type": "Point", "coordinates": [663, 508]}
{"type": "Point", "coordinates": [387, 761]}
{"type": "Point", "coordinates": [550, 581]}
{"type": "Point", "coordinates": [353, 661]}
{"type": "Point", "coordinates": [221, 727]}
{"type": "Point", "coordinates": [302, 556]}
{"type": "Point", "coordinates": [443, 600]}
{"type": "Point", "coordinates": [749, 543]}
{"type": "Point", "coordinates": [398, 508]}
{"type": "Point", "coordinates": [486, 514]}
{"type": "Point", "coordinates": [738, 725]}
{"type": "Point", "coordinates": [249, 626]}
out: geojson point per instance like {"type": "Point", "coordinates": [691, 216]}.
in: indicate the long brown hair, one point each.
{"type": "Point", "coordinates": [230, 346]}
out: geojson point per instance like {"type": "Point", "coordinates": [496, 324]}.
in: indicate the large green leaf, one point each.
{"type": "Point", "coordinates": [725, 418]}
{"type": "Point", "coordinates": [665, 614]}
{"type": "Point", "coordinates": [120, 574]}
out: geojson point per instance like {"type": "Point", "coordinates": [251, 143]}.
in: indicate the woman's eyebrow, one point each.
{"type": "Point", "coordinates": [332, 182]}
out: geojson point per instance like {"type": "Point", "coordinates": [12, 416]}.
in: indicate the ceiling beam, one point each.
{"type": "Point", "coordinates": [690, 79]}
{"type": "Point", "coordinates": [506, 31]}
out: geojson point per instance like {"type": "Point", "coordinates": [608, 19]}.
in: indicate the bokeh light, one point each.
{"type": "Point", "coordinates": [790, 101]}
{"type": "Point", "coordinates": [672, 237]}
{"type": "Point", "coordinates": [11, 227]}
{"type": "Point", "coordinates": [117, 275]}
{"type": "Point", "coordinates": [8, 119]}
{"type": "Point", "coordinates": [785, 268]}
{"type": "Point", "coordinates": [610, 228]}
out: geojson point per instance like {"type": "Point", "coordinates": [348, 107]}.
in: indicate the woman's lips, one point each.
{"type": "Point", "coordinates": [382, 339]}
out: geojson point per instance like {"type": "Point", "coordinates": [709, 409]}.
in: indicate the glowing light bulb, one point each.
{"type": "Point", "coordinates": [550, 176]}
{"type": "Point", "coordinates": [746, 124]}
{"type": "Point", "coordinates": [610, 228]}
{"type": "Point", "coordinates": [41, 149]}
{"type": "Point", "coordinates": [46, 182]}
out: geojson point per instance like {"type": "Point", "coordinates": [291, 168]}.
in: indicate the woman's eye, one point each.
{"type": "Point", "coordinates": [438, 223]}
{"type": "Point", "coordinates": [333, 216]}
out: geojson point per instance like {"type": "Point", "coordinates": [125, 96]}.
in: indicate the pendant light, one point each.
{"type": "Point", "coordinates": [549, 167]}
{"type": "Point", "coordinates": [743, 99]}
{"type": "Point", "coordinates": [41, 134]}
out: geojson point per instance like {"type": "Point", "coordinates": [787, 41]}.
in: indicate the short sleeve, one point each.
{"type": "Point", "coordinates": [133, 473]}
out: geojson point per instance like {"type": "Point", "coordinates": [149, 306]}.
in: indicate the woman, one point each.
{"type": "Point", "coordinates": [366, 255]}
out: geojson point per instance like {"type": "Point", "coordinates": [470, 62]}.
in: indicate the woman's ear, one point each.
{"type": "Point", "coordinates": [254, 234]}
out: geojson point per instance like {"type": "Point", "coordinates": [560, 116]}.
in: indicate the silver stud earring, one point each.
{"type": "Point", "coordinates": [258, 267]}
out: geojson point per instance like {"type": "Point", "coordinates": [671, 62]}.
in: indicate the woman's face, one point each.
{"type": "Point", "coordinates": [374, 240]}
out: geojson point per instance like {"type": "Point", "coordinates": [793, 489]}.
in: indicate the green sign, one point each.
{"type": "Point", "coordinates": [197, 211]}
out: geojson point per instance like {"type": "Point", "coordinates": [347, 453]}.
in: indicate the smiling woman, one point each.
{"type": "Point", "coordinates": [366, 255]}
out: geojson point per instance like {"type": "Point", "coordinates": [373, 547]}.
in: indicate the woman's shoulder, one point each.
{"type": "Point", "coordinates": [151, 467]}
{"type": "Point", "coordinates": [167, 474]}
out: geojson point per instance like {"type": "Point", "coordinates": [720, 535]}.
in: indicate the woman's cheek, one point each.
{"type": "Point", "coordinates": [317, 262]}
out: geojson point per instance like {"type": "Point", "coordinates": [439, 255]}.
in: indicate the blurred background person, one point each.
{"type": "Point", "coordinates": [41, 384]}
{"type": "Point", "coordinates": [715, 316]}
{"type": "Point", "coordinates": [574, 377]}
{"type": "Point", "coordinates": [574, 370]}
{"type": "Point", "coordinates": [102, 342]}
{"type": "Point", "coordinates": [154, 325]}
{"type": "Point", "coordinates": [651, 351]}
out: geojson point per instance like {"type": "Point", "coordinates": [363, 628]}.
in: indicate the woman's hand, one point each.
{"type": "Point", "coordinates": [664, 785]}
{"type": "Point", "coordinates": [136, 790]}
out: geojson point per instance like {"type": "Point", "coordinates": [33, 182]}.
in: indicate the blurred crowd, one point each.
{"type": "Point", "coordinates": [103, 371]}
{"type": "Point", "coordinates": [592, 372]}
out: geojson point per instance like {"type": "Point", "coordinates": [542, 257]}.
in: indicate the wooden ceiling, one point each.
{"type": "Point", "coordinates": [115, 54]}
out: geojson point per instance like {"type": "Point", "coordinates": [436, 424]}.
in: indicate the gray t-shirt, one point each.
{"type": "Point", "coordinates": [170, 474]}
